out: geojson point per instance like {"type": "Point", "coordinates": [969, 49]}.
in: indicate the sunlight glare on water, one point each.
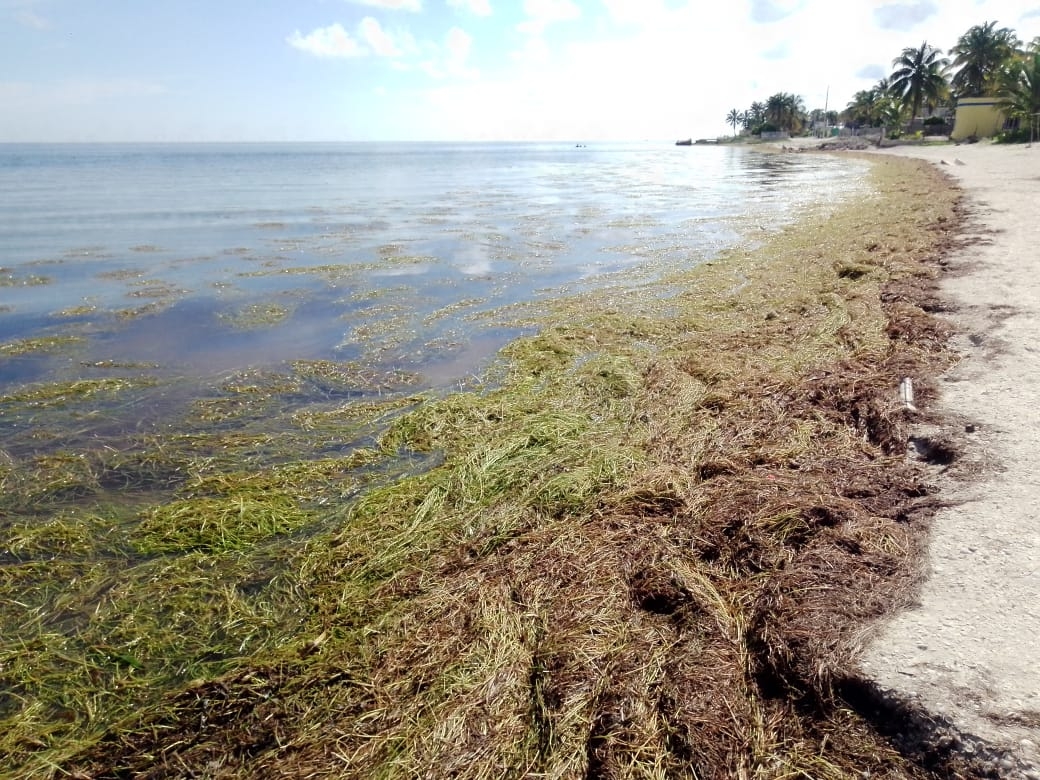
{"type": "Point", "coordinates": [377, 252]}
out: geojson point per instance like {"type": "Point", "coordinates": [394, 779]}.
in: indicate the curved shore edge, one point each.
{"type": "Point", "coordinates": [652, 550]}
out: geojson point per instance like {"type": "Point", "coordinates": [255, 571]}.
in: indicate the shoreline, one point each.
{"type": "Point", "coordinates": [654, 543]}
{"type": "Point", "coordinates": [651, 546]}
{"type": "Point", "coordinates": [966, 651]}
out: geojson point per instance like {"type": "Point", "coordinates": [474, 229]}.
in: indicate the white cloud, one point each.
{"type": "Point", "coordinates": [458, 45]}
{"type": "Point", "coordinates": [332, 41]}
{"type": "Point", "coordinates": [773, 10]}
{"type": "Point", "coordinates": [534, 53]}
{"type": "Point", "coordinates": [478, 7]}
{"type": "Point", "coordinates": [392, 5]}
{"type": "Point", "coordinates": [451, 59]}
{"type": "Point", "coordinates": [639, 13]}
{"type": "Point", "coordinates": [383, 43]}
{"type": "Point", "coordinates": [542, 13]}
{"type": "Point", "coordinates": [903, 16]}
{"type": "Point", "coordinates": [335, 42]}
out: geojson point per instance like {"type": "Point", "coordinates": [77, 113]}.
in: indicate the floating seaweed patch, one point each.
{"type": "Point", "coordinates": [40, 344]}
{"type": "Point", "coordinates": [62, 393]}
{"type": "Point", "coordinates": [260, 382]}
{"type": "Point", "coordinates": [147, 310]}
{"type": "Point", "coordinates": [120, 274]}
{"type": "Point", "coordinates": [239, 406]}
{"type": "Point", "coordinates": [120, 364]}
{"type": "Point", "coordinates": [10, 279]}
{"type": "Point", "coordinates": [256, 315]}
{"type": "Point", "coordinates": [352, 376]}
{"type": "Point", "coordinates": [328, 271]}
{"type": "Point", "coordinates": [73, 312]}
{"type": "Point", "coordinates": [153, 288]}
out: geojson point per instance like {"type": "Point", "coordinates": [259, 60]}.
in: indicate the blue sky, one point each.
{"type": "Point", "coordinates": [583, 70]}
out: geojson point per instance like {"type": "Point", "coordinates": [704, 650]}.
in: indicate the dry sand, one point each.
{"type": "Point", "coordinates": [969, 649]}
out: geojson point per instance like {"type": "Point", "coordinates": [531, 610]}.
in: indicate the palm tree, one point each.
{"type": "Point", "coordinates": [1020, 89]}
{"type": "Point", "coordinates": [859, 110]}
{"type": "Point", "coordinates": [919, 77]}
{"type": "Point", "coordinates": [873, 107]}
{"type": "Point", "coordinates": [979, 56]}
{"type": "Point", "coordinates": [890, 111]}
{"type": "Point", "coordinates": [758, 113]}
{"type": "Point", "coordinates": [796, 113]}
{"type": "Point", "coordinates": [775, 108]}
{"type": "Point", "coordinates": [786, 111]}
{"type": "Point", "coordinates": [733, 119]}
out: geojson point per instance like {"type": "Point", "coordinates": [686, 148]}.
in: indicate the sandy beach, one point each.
{"type": "Point", "coordinates": [966, 651]}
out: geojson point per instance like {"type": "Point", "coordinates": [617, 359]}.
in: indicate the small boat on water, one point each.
{"type": "Point", "coordinates": [685, 142]}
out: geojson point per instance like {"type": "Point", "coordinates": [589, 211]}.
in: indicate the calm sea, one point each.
{"type": "Point", "coordinates": [206, 259]}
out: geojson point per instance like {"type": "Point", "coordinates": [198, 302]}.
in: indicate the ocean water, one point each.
{"type": "Point", "coordinates": [201, 260]}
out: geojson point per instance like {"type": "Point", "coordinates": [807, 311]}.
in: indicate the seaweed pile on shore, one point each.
{"type": "Point", "coordinates": [648, 548]}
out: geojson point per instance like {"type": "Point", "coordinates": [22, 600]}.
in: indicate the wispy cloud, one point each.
{"type": "Point", "coordinates": [478, 7]}
{"type": "Point", "coordinates": [457, 45]}
{"type": "Point", "coordinates": [542, 13]}
{"type": "Point", "coordinates": [873, 72]}
{"type": "Point", "coordinates": [332, 41]}
{"type": "Point", "coordinates": [452, 58]}
{"type": "Point", "coordinates": [30, 19]}
{"type": "Point", "coordinates": [781, 51]}
{"type": "Point", "coordinates": [639, 13]}
{"type": "Point", "coordinates": [335, 42]}
{"type": "Point", "coordinates": [392, 5]}
{"type": "Point", "coordinates": [902, 16]}
{"type": "Point", "coordinates": [382, 42]}
{"type": "Point", "coordinates": [765, 11]}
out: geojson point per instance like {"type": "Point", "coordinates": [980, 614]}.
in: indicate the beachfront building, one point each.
{"type": "Point", "coordinates": [977, 116]}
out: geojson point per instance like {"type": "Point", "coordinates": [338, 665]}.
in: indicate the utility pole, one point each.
{"type": "Point", "coordinates": [826, 104]}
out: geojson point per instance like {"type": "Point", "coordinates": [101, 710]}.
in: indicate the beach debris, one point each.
{"type": "Point", "coordinates": [959, 161]}
{"type": "Point", "coordinates": [906, 393]}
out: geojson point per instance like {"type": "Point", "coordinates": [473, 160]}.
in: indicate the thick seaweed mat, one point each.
{"type": "Point", "coordinates": [649, 548]}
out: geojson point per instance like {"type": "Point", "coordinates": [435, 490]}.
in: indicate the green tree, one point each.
{"type": "Point", "coordinates": [864, 108]}
{"type": "Point", "coordinates": [757, 112]}
{"type": "Point", "coordinates": [919, 77]}
{"type": "Point", "coordinates": [980, 56]}
{"type": "Point", "coordinates": [794, 112]}
{"type": "Point", "coordinates": [1020, 89]}
{"type": "Point", "coordinates": [786, 111]}
{"type": "Point", "coordinates": [733, 119]}
{"type": "Point", "coordinates": [775, 108]}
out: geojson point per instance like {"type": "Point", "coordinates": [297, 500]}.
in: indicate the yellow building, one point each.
{"type": "Point", "coordinates": [977, 116]}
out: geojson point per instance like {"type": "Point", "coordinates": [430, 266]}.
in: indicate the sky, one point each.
{"type": "Point", "coordinates": [444, 70]}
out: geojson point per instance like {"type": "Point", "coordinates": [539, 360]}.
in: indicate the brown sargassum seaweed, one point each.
{"type": "Point", "coordinates": [651, 550]}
